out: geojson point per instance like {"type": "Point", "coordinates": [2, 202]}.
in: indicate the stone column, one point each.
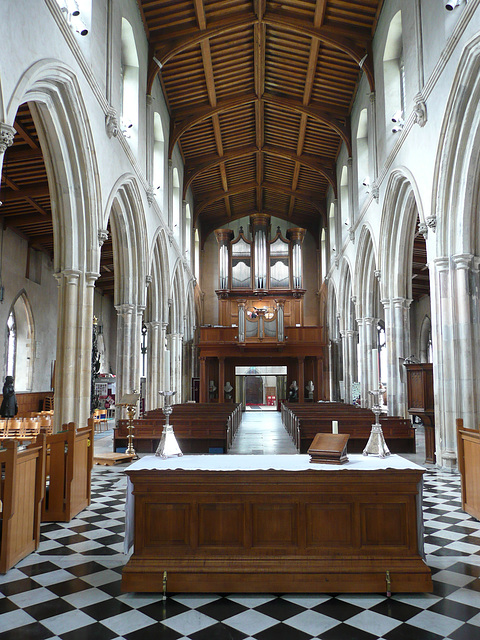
{"type": "Point", "coordinates": [74, 347]}
{"type": "Point", "coordinates": [370, 334]}
{"type": "Point", "coordinates": [126, 382]}
{"type": "Point", "coordinates": [351, 347]}
{"type": "Point", "coordinates": [455, 337]}
{"type": "Point", "coordinates": [362, 361]}
{"type": "Point", "coordinates": [162, 348]}
{"type": "Point", "coordinates": [154, 364]}
{"type": "Point", "coordinates": [397, 331]}
{"type": "Point", "coordinates": [176, 348]}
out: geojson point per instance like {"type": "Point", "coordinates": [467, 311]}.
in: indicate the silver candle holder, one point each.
{"type": "Point", "coordinates": [376, 445]}
{"type": "Point", "coordinates": [168, 445]}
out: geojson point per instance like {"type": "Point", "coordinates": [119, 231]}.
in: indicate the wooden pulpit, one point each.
{"type": "Point", "coordinates": [421, 402]}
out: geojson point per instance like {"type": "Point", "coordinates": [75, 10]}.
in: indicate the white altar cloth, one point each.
{"type": "Point", "coordinates": [294, 462]}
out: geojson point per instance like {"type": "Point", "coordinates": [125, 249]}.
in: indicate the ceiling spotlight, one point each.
{"type": "Point", "coordinates": [397, 116]}
{"type": "Point", "coordinates": [366, 181]}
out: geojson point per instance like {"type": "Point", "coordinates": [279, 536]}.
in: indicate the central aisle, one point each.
{"type": "Point", "coordinates": [262, 432]}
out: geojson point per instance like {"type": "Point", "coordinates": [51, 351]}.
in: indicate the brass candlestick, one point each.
{"type": "Point", "coordinates": [168, 445]}
{"type": "Point", "coordinates": [129, 401]}
{"type": "Point", "coordinates": [376, 445]}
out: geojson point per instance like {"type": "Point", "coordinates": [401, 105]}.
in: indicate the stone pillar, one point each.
{"type": "Point", "coordinates": [74, 347]}
{"type": "Point", "coordinates": [351, 347]}
{"type": "Point", "coordinates": [126, 382]}
{"type": "Point", "coordinates": [176, 349]}
{"type": "Point", "coordinates": [455, 337]}
{"type": "Point", "coordinates": [154, 364]}
{"type": "Point", "coordinates": [397, 331]}
{"type": "Point", "coordinates": [371, 341]}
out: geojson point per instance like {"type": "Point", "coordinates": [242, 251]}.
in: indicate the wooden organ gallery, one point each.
{"type": "Point", "coordinates": [261, 315]}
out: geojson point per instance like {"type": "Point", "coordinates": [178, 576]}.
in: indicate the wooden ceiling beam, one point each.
{"type": "Point", "coordinates": [314, 199]}
{"type": "Point", "coordinates": [194, 169]}
{"type": "Point", "coordinates": [30, 140]}
{"type": "Point", "coordinates": [38, 191]}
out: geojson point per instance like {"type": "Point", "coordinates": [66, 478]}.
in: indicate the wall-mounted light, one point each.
{"type": "Point", "coordinates": [397, 118]}
{"type": "Point", "coordinates": [453, 4]}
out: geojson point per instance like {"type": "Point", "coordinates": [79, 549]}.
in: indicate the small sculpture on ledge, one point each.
{"type": "Point", "coordinates": [310, 388]}
{"type": "Point", "coordinates": [376, 445]}
{"type": "Point", "coordinates": [228, 390]}
{"type": "Point", "coordinates": [293, 392]}
{"type": "Point", "coordinates": [168, 445]}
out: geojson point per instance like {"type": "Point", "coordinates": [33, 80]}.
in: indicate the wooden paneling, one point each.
{"type": "Point", "coordinates": [256, 531]}
{"type": "Point", "coordinates": [468, 441]}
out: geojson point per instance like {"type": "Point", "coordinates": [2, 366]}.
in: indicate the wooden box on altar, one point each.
{"type": "Point", "coordinates": [329, 448]}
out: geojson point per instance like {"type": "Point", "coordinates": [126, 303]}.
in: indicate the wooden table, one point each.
{"type": "Point", "coordinates": [277, 524]}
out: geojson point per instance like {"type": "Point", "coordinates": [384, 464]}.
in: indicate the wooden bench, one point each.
{"type": "Point", "coordinates": [303, 422]}
{"type": "Point", "coordinates": [197, 428]}
{"type": "Point", "coordinates": [69, 466]}
{"type": "Point", "coordinates": [22, 492]}
{"type": "Point", "coordinates": [468, 441]}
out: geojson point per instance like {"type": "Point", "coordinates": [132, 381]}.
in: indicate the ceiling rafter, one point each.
{"type": "Point", "coordinates": [194, 169]}
{"type": "Point", "coordinates": [311, 197]}
{"type": "Point", "coordinates": [177, 43]}
{"type": "Point", "coordinates": [340, 123]}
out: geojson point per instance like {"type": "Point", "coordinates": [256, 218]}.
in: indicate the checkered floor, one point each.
{"type": "Point", "coordinates": [70, 588]}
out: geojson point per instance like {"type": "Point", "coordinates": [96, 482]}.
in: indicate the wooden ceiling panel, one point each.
{"type": "Point", "coordinates": [320, 140]}
{"type": "Point", "coordinates": [241, 170]}
{"type": "Point", "coordinates": [238, 127]}
{"type": "Point", "coordinates": [361, 14]}
{"type": "Point", "coordinates": [199, 140]}
{"type": "Point", "coordinates": [281, 127]}
{"type": "Point", "coordinates": [309, 180]}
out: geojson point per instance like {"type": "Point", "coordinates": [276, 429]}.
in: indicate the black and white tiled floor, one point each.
{"type": "Point", "coordinates": [70, 588]}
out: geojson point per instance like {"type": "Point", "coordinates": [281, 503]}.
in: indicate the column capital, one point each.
{"type": "Point", "coordinates": [70, 276]}
{"type": "Point", "coordinates": [102, 235]}
{"type": "Point", "coordinates": [91, 277]}
{"type": "Point", "coordinates": [125, 309]}
{"type": "Point", "coordinates": [7, 134]}
{"type": "Point", "coordinates": [463, 260]}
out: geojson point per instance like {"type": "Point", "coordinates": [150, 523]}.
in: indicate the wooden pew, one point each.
{"type": "Point", "coordinates": [198, 428]}
{"type": "Point", "coordinates": [69, 466]}
{"type": "Point", "coordinates": [304, 421]}
{"type": "Point", "coordinates": [468, 442]}
{"type": "Point", "coordinates": [23, 487]}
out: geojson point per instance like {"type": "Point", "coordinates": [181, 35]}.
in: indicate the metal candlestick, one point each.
{"type": "Point", "coordinates": [376, 445]}
{"type": "Point", "coordinates": [129, 401]}
{"type": "Point", "coordinates": [168, 445]}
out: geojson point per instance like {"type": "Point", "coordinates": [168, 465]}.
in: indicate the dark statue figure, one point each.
{"type": "Point", "coordinates": [9, 408]}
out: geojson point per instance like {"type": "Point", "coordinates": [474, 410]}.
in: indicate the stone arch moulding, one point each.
{"type": "Point", "coordinates": [160, 278]}
{"type": "Point", "coordinates": [401, 206]}
{"type": "Point", "coordinates": [364, 284]}
{"type": "Point", "coordinates": [127, 221]}
{"type": "Point", "coordinates": [345, 293]}
{"type": "Point", "coordinates": [62, 125]}
{"type": "Point", "coordinates": [178, 296]}
{"type": "Point", "coordinates": [457, 166]}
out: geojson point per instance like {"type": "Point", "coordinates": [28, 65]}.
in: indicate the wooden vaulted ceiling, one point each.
{"type": "Point", "coordinates": [259, 93]}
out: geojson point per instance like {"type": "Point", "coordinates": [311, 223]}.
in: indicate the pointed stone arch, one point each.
{"type": "Point", "coordinates": [54, 96]}
{"type": "Point", "coordinates": [127, 223]}
{"type": "Point", "coordinates": [456, 269]}
{"type": "Point", "coordinates": [402, 207]}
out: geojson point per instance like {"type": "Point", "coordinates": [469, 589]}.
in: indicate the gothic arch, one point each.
{"type": "Point", "coordinates": [457, 167]}
{"type": "Point", "coordinates": [62, 124]}
{"type": "Point", "coordinates": [127, 222]}
{"type": "Point", "coordinates": [401, 207]}
{"type": "Point", "coordinates": [157, 300]}
{"type": "Point", "coordinates": [365, 285]}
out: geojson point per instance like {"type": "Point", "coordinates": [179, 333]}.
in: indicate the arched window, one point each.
{"type": "Point", "coordinates": [382, 352]}
{"type": "Point", "coordinates": [11, 344]}
{"type": "Point", "coordinates": [20, 344]}
{"type": "Point", "coordinates": [331, 231]}
{"type": "Point", "coordinates": [394, 76]}
{"type": "Point", "coordinates": [197, 254]}
{"type": "Point", "coordinates": [158, 153]}
{"type": "Point", "coordinates": [130, 83]}
{"type": "Point", "coordinates": [363, 168]}
{"type": "Point", "coordinates": [187, 241]}
{"type": "Point", "coordinates": [176, 207]}
{"type": "Point", "coordinates": [344, 203]}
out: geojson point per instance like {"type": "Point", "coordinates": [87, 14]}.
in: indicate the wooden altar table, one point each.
{"type": "Point", "coordinates": [277, 524]}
